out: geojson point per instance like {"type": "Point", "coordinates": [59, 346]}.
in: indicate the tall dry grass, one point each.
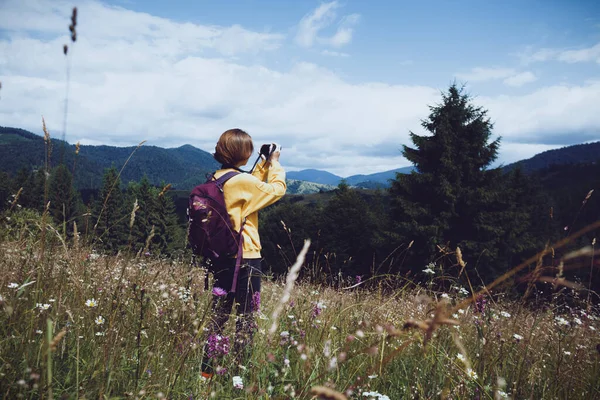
{"type": "Point", "coordinates": [79, 324]}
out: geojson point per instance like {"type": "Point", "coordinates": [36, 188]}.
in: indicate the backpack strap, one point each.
{"type": "Point", "coordinates": [238, 259]}
{"type": "Point", "coordinates": [224, 178]}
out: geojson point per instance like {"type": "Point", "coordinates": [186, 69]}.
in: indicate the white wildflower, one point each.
{"type": "Point", "coordinates": [505, 314]}
{"type": "Point", "coordinates": [561, 321]}
{"type": "Point", "coordinates": [42, 307]}
{"type": "Point", "coordinates": [13, 285]}
{"type": "Point", "coordinates": [237, 382]}
{"type": "Point", "coordinates": [99, 320]}
{"type": "Point", "coordinates": [471, 374]}
{"type": "Point", "coordinates": [91, 303]}
{"type": "Point", "coordinates": [567, 353]}
{"type": "Point", "coordinates": [461, 357]}
{"type": "Point", "coordinates": [429, 271]}
{"type": "Point", "coordinates": [376, 395]}
{"type": "Point", "coordinates": [517, 336]}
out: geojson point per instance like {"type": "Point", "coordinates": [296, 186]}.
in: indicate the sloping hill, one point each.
{"type": "Point", "coordinates": [183, 167]}
{"type": "Point", "coordinates": [576, 154]}
{"type": "Point", "coordinates": [316, 176]}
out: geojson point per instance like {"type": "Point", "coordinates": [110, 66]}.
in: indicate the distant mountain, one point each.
{"type": "Point", "coordinates": [377, 180]}
{"type": "Point", "coordinates": [576, 154]}
{"type": "Point", "coordinates": [183, 167]}
{"type": "Point", "coordinates": [186, 166]}
{"type": "Point", "coordinates": [315, 175]}
{"type": "Point", "coordinates": [302, 187]}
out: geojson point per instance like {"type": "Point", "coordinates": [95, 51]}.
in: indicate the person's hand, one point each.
{"type": "Point", "coordinates": [275, 156]}
{"type": "Point", "coordinates": [276, 153]}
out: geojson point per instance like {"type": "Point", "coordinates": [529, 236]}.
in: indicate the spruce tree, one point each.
{"type": "Point", "coordinates": [167, 235]}
{"type": "Point", "coordinates": [348, 230]}
{"type": "Point", "coordinates": [62, 196]}
{"type": "Point", "coordinates": [109, 214]}
{"type": "Point", "coordinates": [452, 198]}
{"type": "Point", "coordinates": [145, 217]}
{"type": "Point", "coordinates": [5, 191]}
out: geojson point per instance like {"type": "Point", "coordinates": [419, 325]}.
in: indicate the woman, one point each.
{"type": "Point", "coordinates": [244, 195]}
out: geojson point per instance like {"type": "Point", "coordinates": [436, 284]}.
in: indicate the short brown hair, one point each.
{"type": "Point", "coordinates": [233, 146]}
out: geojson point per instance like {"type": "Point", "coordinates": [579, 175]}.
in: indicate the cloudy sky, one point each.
{"type": "Point", "coordinates": [339, 84]}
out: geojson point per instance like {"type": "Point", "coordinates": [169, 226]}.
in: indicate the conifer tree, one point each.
{"type": "Point", "coordinates": [5, 191]}
{"type": "Point", "coordinates": [109, 214]}
{"type": "Point", "coordinates": [166, 233]}
{"type": "Point", "coordinates": [452, 198]}
{"type": "Point", "coordinates": [145, 217]}
{"type": "Point", "coordinates": [62, 196]}
{"type": "Point", "coordinates": [348, 230]}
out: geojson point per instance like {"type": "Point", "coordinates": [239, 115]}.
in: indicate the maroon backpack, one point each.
{"type": "Point", "coordinates": [210, 231]}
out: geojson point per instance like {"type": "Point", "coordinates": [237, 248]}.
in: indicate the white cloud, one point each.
{"type": "Point", "coordinates": [319, 19]}
{"type": "Point", "coordinates": [479, 74]}
{"type": "Point", "coordinates": [571, 56]}
{"type": "Point", "coordinates": [510, 76]}
{"type": "Point", "coordinates": [334, 53]}
{"type": "Point", "coordinates": [520, 79]}
{"type": "Point", "coordinates": [164, 82]}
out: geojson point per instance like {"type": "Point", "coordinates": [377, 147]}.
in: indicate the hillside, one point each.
{"type": "Point", "coordinates": [576, 154]}
{"type": "Point", "coordinates": [183, 167]}
{"type": "Point", "coordinates": [186, 166]}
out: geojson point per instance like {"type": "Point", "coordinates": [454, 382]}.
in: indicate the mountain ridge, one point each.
{"type": "Point", "coordinates": [186, 166]}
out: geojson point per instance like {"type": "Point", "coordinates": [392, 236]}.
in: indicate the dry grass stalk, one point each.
{"type": "Point", "coordinates": [560, 282]}
{"type": "Point", "coordinates": [115, 182]}
{"type": "Point", "coordinates": [289, 285]}
{"type": "Point", "coordinates": [149, 240]}
{"type": "Point", "coordinates": [133, 211]}
{"type": "Point", "coordinates": [460, 261]}
{"type": "Point", "coordinates": [165, 190]}
{"type": "Point", "coordinates": [16, 199]}
{"type": "Point", "coordinates": [57, 339]}
{"type": "Point", "coordinates": [323, 392]}
{"type": "Point", "coordinates": [430, 325]}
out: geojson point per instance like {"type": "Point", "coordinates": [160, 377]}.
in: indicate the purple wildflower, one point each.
{"type": "Point", "coordinates": [480, 303]}
{"type": "Point", "coordinates": [256, 302]}
{"type": "Point", "coordinates": [219, 292]}
{"type": "Point", "coordinates": [358, 279]}
{"type": "Point", "coordinates": [221, 370]}
{"type": "Point", "coordinates": [217, 346]}
{"type": "Point", "coordinates": [317, 310]}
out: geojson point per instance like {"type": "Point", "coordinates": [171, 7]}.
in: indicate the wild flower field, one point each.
{"type": "Point", "coordinates": [77, 324]}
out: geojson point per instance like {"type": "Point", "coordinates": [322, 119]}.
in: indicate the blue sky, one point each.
{"type": "Point", "coordinates": [339, 84]}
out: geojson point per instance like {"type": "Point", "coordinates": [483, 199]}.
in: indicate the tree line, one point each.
{"type": "Point", "coordinates": [137, 217]}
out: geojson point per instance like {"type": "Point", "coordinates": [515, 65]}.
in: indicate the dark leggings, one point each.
{"type": "Point", "coordinates": [246, 299]}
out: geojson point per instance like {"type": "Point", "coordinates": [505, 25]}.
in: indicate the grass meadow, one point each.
{"type": "Point", "coordinates": [78, 324]}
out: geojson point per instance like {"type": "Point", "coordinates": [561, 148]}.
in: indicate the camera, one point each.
{"type": "Point", "coordinates": [267, 149]}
